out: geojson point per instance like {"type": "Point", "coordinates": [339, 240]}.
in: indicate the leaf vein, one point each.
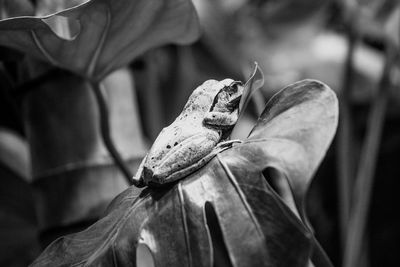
{"type": "Point", "coordinates": [42, 49]}
{"type": "Point", "coordinates": [100, 45]}
{"type": "Point", "coordinates": [184, 221]}
{"type": "Point", "coordinates": [241, 195]}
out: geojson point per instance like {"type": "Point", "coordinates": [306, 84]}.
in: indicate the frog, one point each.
{"type": "Point", "coordinates": [198, 134]}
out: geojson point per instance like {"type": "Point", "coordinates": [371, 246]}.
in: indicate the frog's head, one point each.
{"type": "Point", "coordinates": [224, 111]}
{"type": "Point", "coordinates": [228, 98]}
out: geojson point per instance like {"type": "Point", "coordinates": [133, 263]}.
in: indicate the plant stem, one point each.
{"type": "Point", "coordinates": [103, 111]}
{"type": "Point", "coordinates": [106, 135]}
{"type": "Point", "coordinates": [366, 169]}
{"type": "Point", "coordinates": [345, 143]}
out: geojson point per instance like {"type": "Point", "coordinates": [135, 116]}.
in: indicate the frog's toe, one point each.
{"type": "Point", "coordinates": [142, 177]}
{"type": "Point", "coordinates": [147, 175]}
{"type": "Point", "coordinates": [138, 181]}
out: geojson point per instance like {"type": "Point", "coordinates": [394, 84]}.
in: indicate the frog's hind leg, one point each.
{"type": "Point", "coordinates": [188, 156]}
{"type": "Point", "coordinates": [197, 165]}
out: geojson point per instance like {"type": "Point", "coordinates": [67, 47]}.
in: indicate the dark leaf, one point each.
{"type": "Point", "coordinates": [107, 34]}
{"type": "Point", "coordinates": [18, 222]}
{"type": "Point", "coordinates": [296, 128]}
{"type": "Point", "coordinates": [225, 214]}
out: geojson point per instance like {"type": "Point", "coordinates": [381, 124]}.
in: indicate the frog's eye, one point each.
{"type": "Point", "coordinates": [236, 84]}
{"type": "Point", "coordinates": [233, 87]}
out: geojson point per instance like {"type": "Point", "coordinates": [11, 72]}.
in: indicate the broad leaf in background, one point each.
{"type": "Point", "coordinates": [107, 36]}
{"type": "Point", "coordinates": [225, 214]}
{"type": "Point", "coordinates": [14, 153]}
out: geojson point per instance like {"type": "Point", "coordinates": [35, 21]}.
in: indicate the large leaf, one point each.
{"type": "Point", "coordinates": [110, 33]}
{"type": "Point", "coordinates": [225, 214]}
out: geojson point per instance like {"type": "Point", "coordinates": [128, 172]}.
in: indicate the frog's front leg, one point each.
{"type": "Point", "coordinates": [221, 120]}
{"type": "Point", "coordinates": [228, 143]}
{"type": "Point", "coordinates": [189, 156]}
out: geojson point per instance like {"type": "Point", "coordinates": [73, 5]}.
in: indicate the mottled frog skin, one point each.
{"type": "Point", "coordinates": [191, 140]}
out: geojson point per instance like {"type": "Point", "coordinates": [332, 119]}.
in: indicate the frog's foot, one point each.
{"type": "Point", "coordinates": [138, 181]}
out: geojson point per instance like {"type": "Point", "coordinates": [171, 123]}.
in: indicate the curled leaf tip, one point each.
{"type": "Point", "coordinates": [253, 83]}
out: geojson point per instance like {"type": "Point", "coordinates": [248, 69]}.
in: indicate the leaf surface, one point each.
{"type": "Point", "coordinates": [296, 129]}
{"type": "Point", "coordinates": [226, 213]}
{"type": "Point", "coordinates": [109, 33]}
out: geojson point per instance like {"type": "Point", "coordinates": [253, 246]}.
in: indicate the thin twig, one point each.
{"type": "Point", "coordinates": [106, 135]}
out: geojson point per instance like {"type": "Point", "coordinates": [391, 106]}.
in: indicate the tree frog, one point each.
{"type": "Point", "coordinates": [195, 136]}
